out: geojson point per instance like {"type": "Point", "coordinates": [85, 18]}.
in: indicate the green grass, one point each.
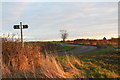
{"type": "Point", "coordinates": [105, 59]}
{"type": "Point", "coordinates": [50, 47]}
{"type": "Point", "coordinates": [102, 49]}
{"type": "Point", "coordinates": [102, 63]}
{"type": "Point", "coordinates": [65, 48]}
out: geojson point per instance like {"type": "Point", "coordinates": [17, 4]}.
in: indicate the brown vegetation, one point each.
{"type": "Point", "coordinates": [29, 62]}
{"type": "Point", "coordinates": [112, 41]}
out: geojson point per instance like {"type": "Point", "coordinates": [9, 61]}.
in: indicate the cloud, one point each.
{"type": "Point", "coordinates": [60, 1]}
{"type": "Point", "coordinates": [12, 11]}
{"type": "Point", "coordinates": [79, 19]}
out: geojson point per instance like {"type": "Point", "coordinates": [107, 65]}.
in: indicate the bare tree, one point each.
{"type": "Point", "coordinates": [64, 34]}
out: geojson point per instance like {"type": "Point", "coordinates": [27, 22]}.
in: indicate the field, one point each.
{"type": "Point", "coordinates": [103, 63]}
{"type": "Point", "coordinates": [34, 61]}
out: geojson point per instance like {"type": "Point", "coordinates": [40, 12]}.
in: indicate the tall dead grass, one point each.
{"type": "Point", "coordinates": [29, 62]}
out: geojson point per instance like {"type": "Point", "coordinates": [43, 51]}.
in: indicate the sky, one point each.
{"type": "Point", "coordinates": [93, 20]}
{"type": "Point", "coordinates": [60, 0]}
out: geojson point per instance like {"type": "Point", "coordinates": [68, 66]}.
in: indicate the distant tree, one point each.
{"type": "Point", "coordinates": [104, 38]}
{"type": "Point", "coordinates": [64, 35]}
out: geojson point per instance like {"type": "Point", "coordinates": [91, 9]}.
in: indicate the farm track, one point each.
{"type": "Point", "coordinates": [79, 49]}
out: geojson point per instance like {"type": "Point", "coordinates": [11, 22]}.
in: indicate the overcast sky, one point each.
{"type": "Point", "coordinates": [45, 19]}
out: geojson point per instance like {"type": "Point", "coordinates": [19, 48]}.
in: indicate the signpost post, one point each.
{"type": "Point", "coordinates": [21, 26]}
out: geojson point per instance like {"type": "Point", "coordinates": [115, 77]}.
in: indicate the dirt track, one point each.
{"type": "Point", "coordinates": [78, 49]}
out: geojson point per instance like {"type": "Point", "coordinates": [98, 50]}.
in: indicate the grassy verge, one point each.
{"type": "Point", "coordinates": [29, 62]}
{"type": "Point", "coordinates": [103, 63]}
{"type": "Point", "coordinates": [65, 48]}
{"type": "Point", "coordinates": [51, 47]}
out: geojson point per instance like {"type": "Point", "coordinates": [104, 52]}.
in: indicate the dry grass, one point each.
{"type": "Point", "coordinates": [29, 62]}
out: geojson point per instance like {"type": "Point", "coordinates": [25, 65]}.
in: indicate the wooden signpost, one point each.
{"type": "Point", "coordinates": [21, 26]}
